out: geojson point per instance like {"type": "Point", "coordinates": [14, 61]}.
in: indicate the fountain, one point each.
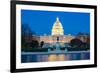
{"type": "Point", "coordinates": [49, 50]}
{"type": "Point", "coordinates": [57, 47]}
{"type": "Point", "coordinates": [66, 50]}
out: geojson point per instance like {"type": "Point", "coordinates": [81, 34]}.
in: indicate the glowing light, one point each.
{"type": "Point", "coordinates": [57, 28]}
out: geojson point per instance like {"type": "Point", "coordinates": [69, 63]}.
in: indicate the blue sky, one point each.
{"type": "Point", "coordinates": [41, 22]}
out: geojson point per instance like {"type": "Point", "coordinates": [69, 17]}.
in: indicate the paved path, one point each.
{"type": "Point", "coordinates": [53, 52]}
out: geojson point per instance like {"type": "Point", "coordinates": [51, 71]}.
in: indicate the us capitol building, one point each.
{"type": "Point", "coordinates": [57, 35]}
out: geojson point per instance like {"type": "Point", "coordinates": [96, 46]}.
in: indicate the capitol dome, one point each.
{"type": "Point", "coordinates": [57, 28]}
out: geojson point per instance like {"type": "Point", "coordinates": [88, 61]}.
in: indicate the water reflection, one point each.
{"type": "Point", "coordinates": [61, 57]}
{"type": "Point", "coordinates": [52, 58]}
{"type": "Point", "coordinates": [31, 57]}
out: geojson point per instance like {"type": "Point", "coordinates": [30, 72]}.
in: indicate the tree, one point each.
{"type": "Point", "coordinates": [76, 43]}
{"type": "Point", "coordinates": [26, 36]}
{"type": "Point", "coordinates": [41, 44]}
{"type": "Point", "coordinates": [34, 44]}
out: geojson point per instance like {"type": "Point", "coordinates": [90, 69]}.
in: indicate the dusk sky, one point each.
{"type": "Point", "coordinates": [41, 22]}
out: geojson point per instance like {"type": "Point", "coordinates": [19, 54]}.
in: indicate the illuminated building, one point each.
{"type": "Point", "coordinates": [57, 35]}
